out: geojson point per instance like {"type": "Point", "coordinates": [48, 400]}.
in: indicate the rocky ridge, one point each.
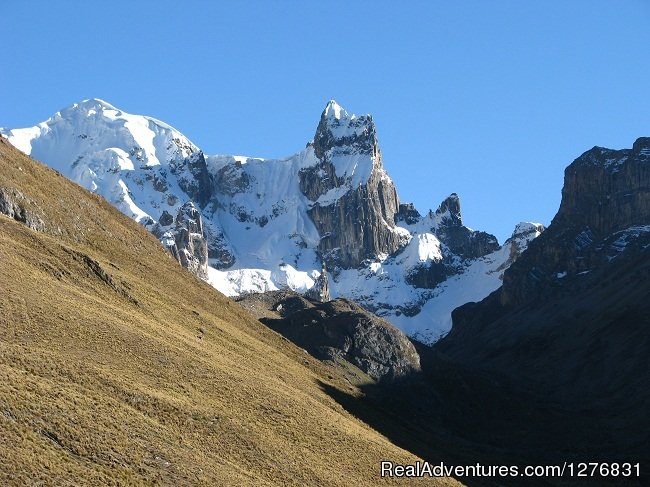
{"type": "Point", "coordinates": [605, 209]}
{"type": "Point", "coordinates": [185, 238]}
{"type": "Point", "coordinates": [570, 324]}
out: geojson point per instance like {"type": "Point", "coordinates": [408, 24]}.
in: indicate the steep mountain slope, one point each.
{"type": "Point", "coordinates": [258, 225]}
{"type": "Point", "coordinates": [571, 323]}
{"type": "Point", "coordinates": [120, 367]}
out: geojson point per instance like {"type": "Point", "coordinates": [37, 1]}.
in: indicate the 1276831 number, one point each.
{"type": "Point", "coordinates": [603, 469]}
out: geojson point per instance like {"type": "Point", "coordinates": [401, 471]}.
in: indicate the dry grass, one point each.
{"type": "Point", "coordinates": [117, 367]}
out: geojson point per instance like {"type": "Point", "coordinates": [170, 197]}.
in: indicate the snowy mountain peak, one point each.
{"type": "Point", "coordinates": [523, 234]}
{"type": "Point", "coordinates": [113, 153]}
{"type": "Point", "coordinates": [449, 210]}
{"type": "Point", "coordinates": [94, 103]}
{"type": "Point", "coordinates": [526, 228]}
{"type": "Point", "coordinates": [339, 124]}
{"type": "Point", "coordinates": [92, 107]}
{"type": "Point", "coordinates": [338, 132]}
{"type": "Point", "coordinates": [335, 111]}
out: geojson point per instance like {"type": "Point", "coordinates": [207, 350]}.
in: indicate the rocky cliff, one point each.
{"type": "Point", "coordinates": [605, 206]}
{"type": "Point", "coordinates": [320, 291]}
{"type": "Point", "coordinates": [571, 325]}
{"type": "Point", "coordinates": [15, 204]}
{"type": "Point", "coordinates": [354, 200]}
{"type": "Point", "coordinates": [603, 222]}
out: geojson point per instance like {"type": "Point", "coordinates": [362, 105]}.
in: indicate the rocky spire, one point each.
{"type": "Point", "coordinates": [320, 291]}
{"type": "Point", "coordinates": [449, 210]}
{"type": "Point", "coordinates": [341, 133]}
{"type": "Point", "coordinates": [359, 223]}
{"type": "Point", "coordinates": [461, 240]}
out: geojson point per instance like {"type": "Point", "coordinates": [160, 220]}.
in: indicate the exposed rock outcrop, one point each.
{"type": "Point", "coordinates": [336, 330]}
{"type": "Point", "coordinates": [187, 240]}
{"type": "Point", "coordinates": [605, 191]}
{"type": "Point", "coordinates": [14, 204]}
{"type": "Point", "coordinates": [355, 202]}
{"type": "Point", "coordinates": [219, 249]}
{"type": "Point", "coordinates": [461, 240]}
{"type": "Point", "coordinates": [320, 291]}
{"type": "Point", "coordinates": [194, 178]}
{"type": "Point", "coordinates": [408, 214]}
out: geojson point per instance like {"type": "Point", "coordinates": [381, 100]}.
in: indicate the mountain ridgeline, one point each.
{"type": "Point", "coordinates": [250, 225]}
{"type": "Point", "coordinates": [571, 323]}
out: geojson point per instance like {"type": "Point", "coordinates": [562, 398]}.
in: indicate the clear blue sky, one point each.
{"type": "Point", "coordinates": [489, 99]}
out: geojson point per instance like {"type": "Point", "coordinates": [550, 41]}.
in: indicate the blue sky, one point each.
{"type": "Point", "coordinates": [489, 99]}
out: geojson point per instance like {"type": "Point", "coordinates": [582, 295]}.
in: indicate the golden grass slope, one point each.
{"type": "Point", "coordinates": [117, 367]}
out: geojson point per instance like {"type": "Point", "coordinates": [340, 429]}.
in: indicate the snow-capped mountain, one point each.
{"type": "Point", "coordinates": [246, 224]}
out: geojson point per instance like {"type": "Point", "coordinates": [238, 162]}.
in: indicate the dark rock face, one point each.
{"type": "Point", "coordinates": [230, 180]}
{"type": "Point", "coordinates": [166, 219]}
{"type": "Point", "coordinates": [429, 275]}
{"type": "Point", "coordinates": [360, 224]}
{"type": "Point", "coordinates": [198, 184]}
{"type": "Point", "coordinates": [219, 250]}
{"type": "Point", "coordinates": [467, 243]}
{"type": "Point", "coordinates": [338, 329]}
{"type": "Point", "coordinates": [449, 211]}
{"type": "Point", "coordinates": [571, 322]}
{"type": "Point", "coordinates": [407, 213]}
{"type": "Point", "coordinates": [462, 241]}
{"type": "Point", "coordinates": [355, 227]}
{"type": "Point", "coordinates": [605, 191]}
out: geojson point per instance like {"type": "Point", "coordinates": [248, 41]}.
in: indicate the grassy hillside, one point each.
{"type": "Point", "coordinates": [117, 367]}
